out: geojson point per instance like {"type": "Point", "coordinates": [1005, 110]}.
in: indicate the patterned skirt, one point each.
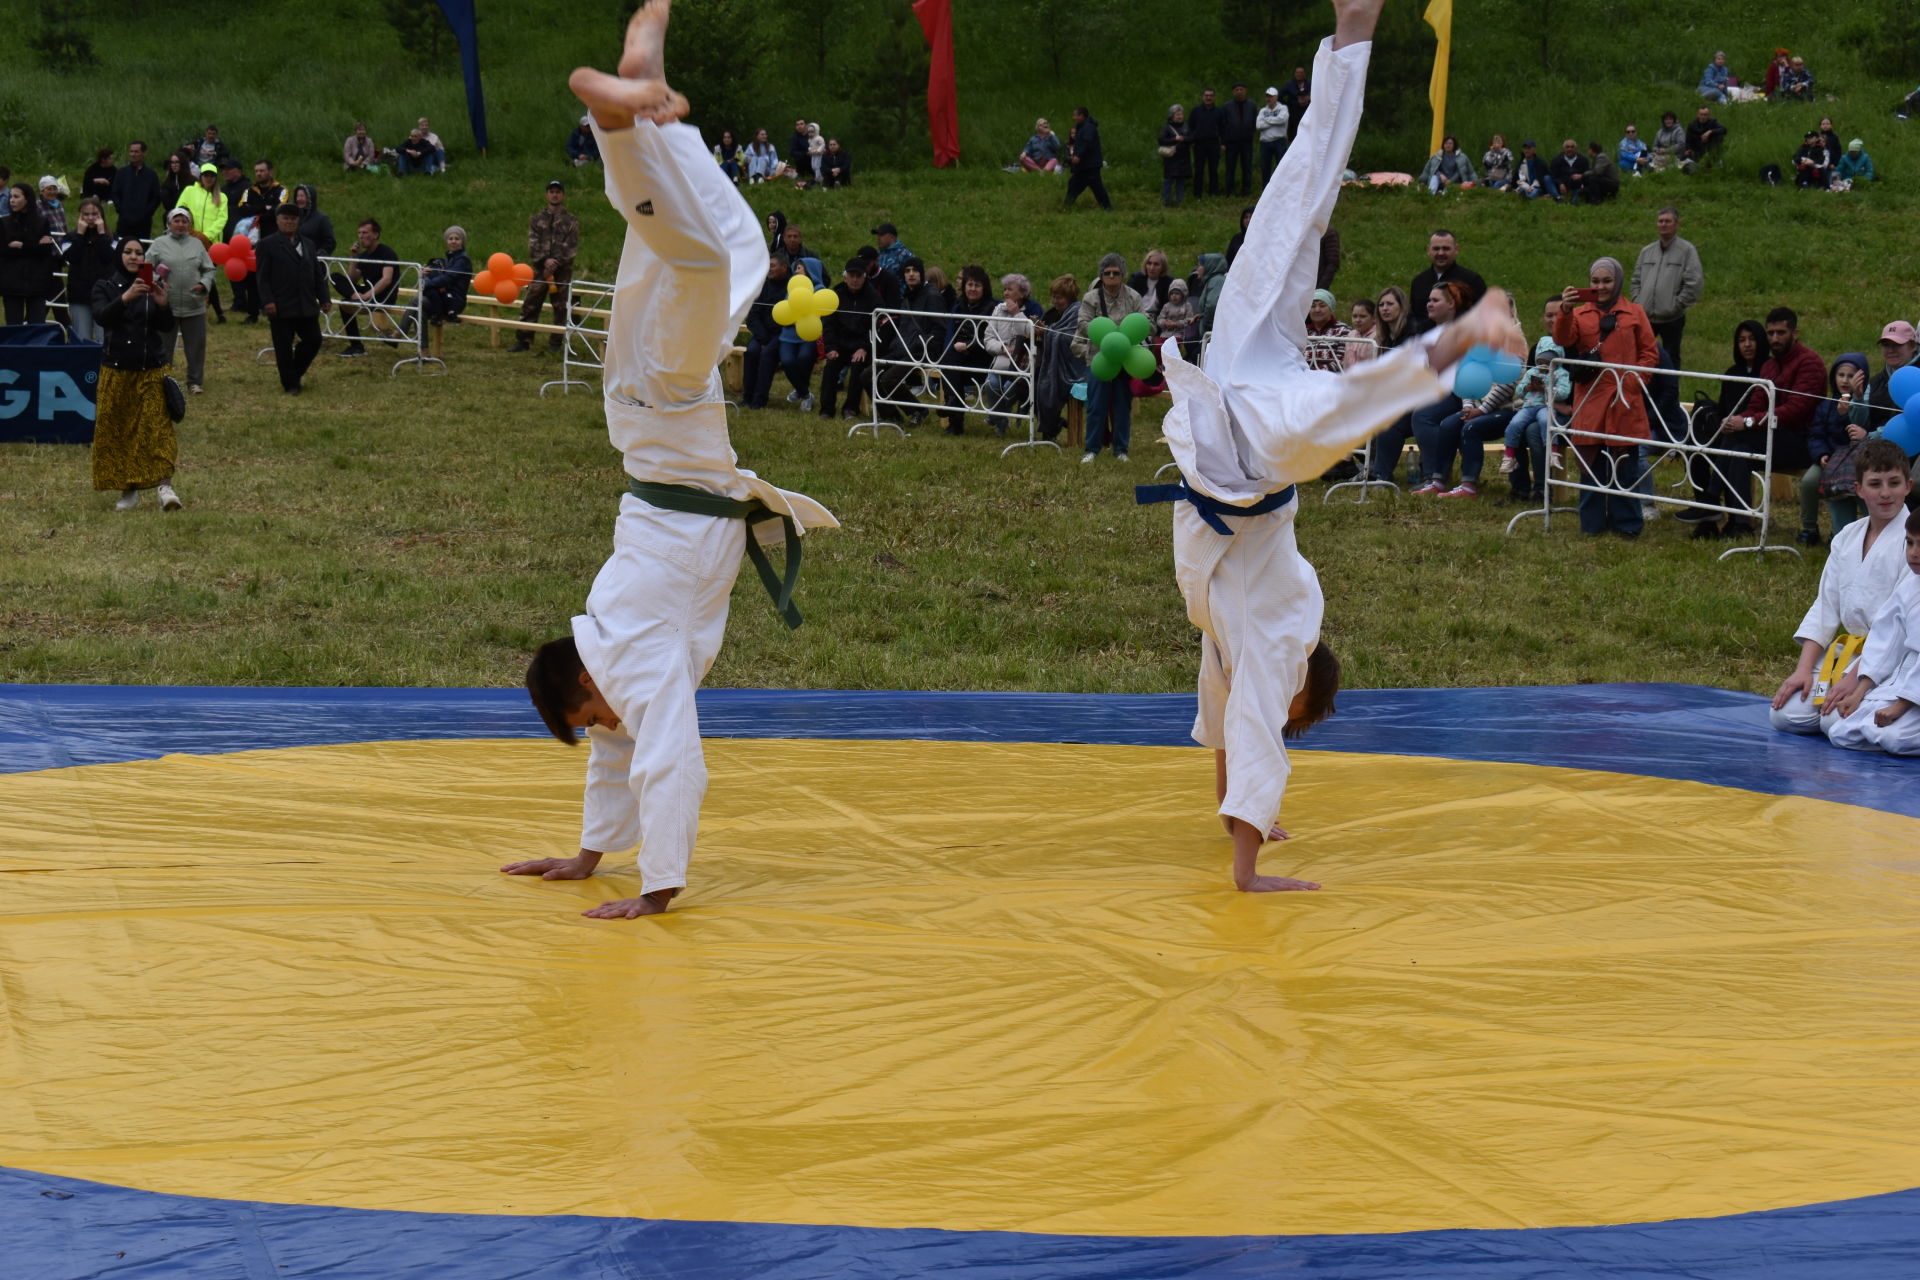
{"type": "Point", "coordinates": [133, 441]}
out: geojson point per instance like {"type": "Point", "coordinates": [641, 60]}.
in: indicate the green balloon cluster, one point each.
{"type": "Point", "coordinates": [1117, 347]}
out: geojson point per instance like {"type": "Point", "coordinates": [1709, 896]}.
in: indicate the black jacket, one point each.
{"type": "Point", "coordinates": [1084, 147]}
{"type": "Point", "coordinates": [1565, 168]}
{"type": "Point", "coordinates": [314, 225]}
{"type": "Point", "coordinates": [91, 258]}
{"type": "Point", "coordinates": [1180, 163]}
{"type": "Point", "coordinates": [292, 281]}
{"type": "Point", "coordinates": [969, 325]}
{"type": "Point", "coordinates": [1206, 124]}
{"type": "Point", "coordinates": [848, 329]}
{"type": "Point", "coordinates": [1237, 123]}
{"type": "Point", "coordinates": [920, 337]}
{"type": "Point", "coordinates": [136, 196]}
{"type": "Point", "coordinates": [136, 332]}
{"type": "Point", "coordinates": [1423, 285]}
{"type": "Point", "coordinates": [760, 322]}
{"type": "Point", "coordinates": [26, 272]}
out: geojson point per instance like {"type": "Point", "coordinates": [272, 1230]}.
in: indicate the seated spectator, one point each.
{"type": "Point", "coordinates": [847, 337]}
{"type": "Point", "coordinates": [1240, 236]}
{"type": "Point", "coordinates": [762, 360]}
{"type": "Point", "coordinates": [358, 154]}
{"type": "Point", "coordinates": [315, 225]}
{"type": "Point", "coordinates": [1635, 156]}
{"type": "Point", "coordinates": [1777, 71]}
{"type": "Point", "coordinates": [1204, 286]}
{"type": "Point", "coordinates": [1447, 167]}
{"type": "Point", "coordinates": [731, 157]}
{"type": "Point", "coordinates": [52, 212]}
{"type": "Point", "coordinates": [1669, 140]}
{"type": "Point", "coordinates": [1714, 80]}
{"type": "Point", "coordinates": [433, 140]}
{"type": "Point", "coordinates": [1799, 377]}
{"type": "Point", "coordinates": [1704, 137]}
{"type": "Point", "coordinates": [1909, 106]}
{"type": "Point", "coordinates": [763, 160]}
{"type": "Point", "coordinates": [1329, 353]}
{"type": "Point", "coordinates": [1796, 83]}
{"type": "Point", "coordinates": [1057, 370]}
{"type": "Point", "coordinates": [97, 181]}
{"type": "Point", "coordinates": [415, 155]}
{"type": "Point", "coordinates": [1525, 458]}
{"type": "Point", "coordinates": [1444, 302]}
{"type": "Point", "coordinates": [1838, 421]}
{"type": "Point", "coordinates": [1179, 318]}
{"type": "Point", "coordinates": [1899, 344]}
{"type": "Point", "coordinates": [582, 146]}
{"type": "Point", "coordinates": [210, 149]}
{"type": "Point", "coordinates": [1569, 170]}
{"type": "Point", "coordinates": [1831, 138]}
{"type": "Point", "coordinates": [368, 284]}
{"type": "Point", "coordinates": [966, 357]}
{"type": "Point", "coordinates": [837, 165]}
{"type": "Point", "coordinates": [1496, 164]}
{"type": "Point", "coordinates": [1152, 281]}
{"type": "Point", "coordinates": [1603, 176]}
{"type": "Point", "coordinates": [1042, 152]}
{"type": "Point", "coordinates": [1365, 323]}
{"type": "Point", "coordinates": [443, 285]}
{"type": "Point", "coordinates": [797, 151]}
{"type": "Point", "coordinates": [1855, 166]}
{"type": "Point", "coordinates": [1812, 164]}
{"type": "Point", "coordinates": [1715, 480]}
{"type": "Point", "coordinates": [1532, 176]}
{"type": "Point", "coordinates": [1007, 338]}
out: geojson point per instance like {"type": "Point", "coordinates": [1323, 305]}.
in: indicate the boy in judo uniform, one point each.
{"type": "Point", "coordinates": [1255, 421]}
{"type": "Point", "coordinates": [1877, 713]}
{"type": "Point", "coordinates": [692, 265]}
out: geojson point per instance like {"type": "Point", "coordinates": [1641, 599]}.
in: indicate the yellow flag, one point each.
{"type": "Point", "coordinates": [1440, 18]}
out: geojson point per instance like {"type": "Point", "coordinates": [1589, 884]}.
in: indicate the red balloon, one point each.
{"type": "Point", "coordinates": [219, 251]}
{"type": "Point", "coordinates": [236, 270]}
{"type": "Point", "coordinates": [240, 241]}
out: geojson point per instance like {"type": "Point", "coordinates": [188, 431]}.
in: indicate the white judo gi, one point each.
{"type": "Point", "coordinates": [1891, 659]}
{"type": "Point", "coordinates": [1853, 586]}
{"type": "Point", "coordinates": [692, 264]}
{"type": "Point", "coordinates": [1257, 420]}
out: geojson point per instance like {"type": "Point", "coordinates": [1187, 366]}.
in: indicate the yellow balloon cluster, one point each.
{"type": "Point", "coordinates": [803, 307]}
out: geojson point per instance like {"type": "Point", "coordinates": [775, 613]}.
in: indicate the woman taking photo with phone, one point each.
{"type": "Point", "coordinates": [133, 441]}
{"type": "Point", "coordinates": [1597, 325]}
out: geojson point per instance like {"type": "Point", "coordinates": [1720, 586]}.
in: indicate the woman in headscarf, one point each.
{"type": "Point", "coordinates": [1329, 353]}
{"type": "Point", "coordinates": [133, 442]}
{"type": "Point", "coordinates": [1612, 402]}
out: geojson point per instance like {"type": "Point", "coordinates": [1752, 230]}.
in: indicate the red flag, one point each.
{"type": "Point", "coordinates": [943, 100]}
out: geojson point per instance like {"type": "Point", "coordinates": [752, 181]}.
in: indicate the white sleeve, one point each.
{"type": "Point", "coordinates": [610, 815]}
{"type": "Point", "coordinates": [1888, 639]}
{"type": "Point", "coordinates": [1822, 622]}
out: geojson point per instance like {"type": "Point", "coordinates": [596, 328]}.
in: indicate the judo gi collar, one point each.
{"type": "Point", "coordinates": [680, 497]}
{"type": "Point", "coordinates": [1211, 509]}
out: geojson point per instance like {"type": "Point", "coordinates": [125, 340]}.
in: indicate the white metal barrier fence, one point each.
{"type": "Point", "coordinates": [583, 348]}
{"type": "Point", "coordinates": [393, 317]}
{"type": "Point", "coordinates": [1717, 479]}
{"type": "Point", "coordinates": [897, 368]}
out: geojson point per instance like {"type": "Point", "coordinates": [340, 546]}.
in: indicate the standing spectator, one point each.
{"type": "Point", "coordinates": [97, 181]}
{"type": "Point", "coordinates": [816, 153]}
{"type": "Point", "coordinates": [211, 150]}
{"type": "Point", "coordinates": [1203, 138]}
{"type": "Point", "coordinates": [357, 153]}
{"type": "Point", "coordinates": [1569, 170]}
{"type": "Point", "coordinates": [1239, 124]}
{"type": "Point", "coordinates": [1704, 138]}
{"type": "Point", "coordinates": [1603, 176]}
{"type": "Point", "coordinates": [967, 355]}
{"type": "Point", "coordinates": [368, 284]}
{"type": "Point", "coordinates": [1777, 71]}
{"type": "Point", "coordinates": [265, 195]}
{"type": "Point", "coordinates": [893, 254]}
{"type": "Point", "coordinates": [293, 293]}
{"type": "Point", "coordinates": [1042, 152]}
{"type": "Point", "coordinates": [52, 211]}
{"type": "Point", "coordinates": [91, 257]}
{"type": "Point", "coordinates": [1714, 80]}
{"type": "Point", "coordinates": [582, 146]}
{"type": "Point", "coordinates": [1297, 94]}
{"type": "Point", "coordinates": [1084, 160]}
{"type": "Point", "coordinates": [1669, 140]}
{"type": "Point", "coordinates": [177, 177]}
{"type": "Point", "coordinates": [136, 194]}
{"type": "Point", "coordinates": [763, 160]}
{"type": "Point", "coordinates": [1668, 280]}
{"type": "Point", "coordinates": [762, 359]}
{"type": "Point", "coordinates": [1271, 124]}
{"type": "Point", "coordinates": [1443, 256]}
{"type": "Point", "coordinates": [133, 442]}
{"type": "Point", "coordinates": [797, 150]}
{"type": "Point", "coordinates": [1496, 164]}
{"type": "Point", "coordinates": [443, 285]}
{"type": "Point", "coordinates": [189, 281]}
{"type": "Point", "coordinates": [1797, 83]}
{"type": "Point", "coordinates": [1176, 156]}
{"type": "Point", "coordinates": [1447, 167]}
{"type": "Point", "coordinates": [1812, 163]}
{"type": "Point", "coordinates": [1898, 346]}
{"type": "Point", "coordinates": [1799, 377]}
{"type": "Point", "coordinates": [727, 153]}
{"type": "Point", "coordinates": [1608, 330]}
{"type": "Point", "coordinates": [415, 155]}
{"type": "Point", "coordinates": [848, 337]}
{"type": "Point", "coordinates": [1635, 156]}
{"type": "Point", "coordinates": [553, 240]}
{"type": "Point", "coordinates": [314, 225]}
{"type": "Point", "coordinates": [1532, 178]}
{"type": "Point", "coordinates": [1109, 401]}
{"type": "Point", "coordinates": [1151, 282]}
{"type": "Point", "coordinates": [433, 141]}
{"type": "Point", "coordinates": [27, 255]}
{"type": "Point", "coordinates": [836, 166]}
{"type": "Point", "coordinates": [208, 206]}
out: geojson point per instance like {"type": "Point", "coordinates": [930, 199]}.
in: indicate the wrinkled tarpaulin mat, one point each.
{"type": "Point", "coordinates": [1596, 988]}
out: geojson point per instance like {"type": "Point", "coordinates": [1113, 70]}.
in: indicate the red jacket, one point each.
{"type": "Point", "coordinates": [1800, 380]}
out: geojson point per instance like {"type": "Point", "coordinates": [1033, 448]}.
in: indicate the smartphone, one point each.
{"type": "Point", "coordinates": [1587, 295]}
{"type": "Point", "coordinates": [145, 274]}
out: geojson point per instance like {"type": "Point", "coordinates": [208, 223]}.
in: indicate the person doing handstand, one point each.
{"type": "Point", "coordinates": [657, 611]}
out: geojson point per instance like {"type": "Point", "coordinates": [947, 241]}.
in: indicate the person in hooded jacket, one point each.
{"type": "Point", "coordinates": [314, 225]}
{"type": "Point", "coordinates": [919, 338]}
{"type": "Point", "coordinates": [134, 447]}
{"type": "Point", "coordinates": [27, 255]}
{"type": "Point", "coordinates": [1715, 480]}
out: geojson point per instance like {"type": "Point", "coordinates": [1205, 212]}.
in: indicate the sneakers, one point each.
{"type": "Point", "coordinates": [128, 500]}
{"type": "Point", "coordinates": [353, 352]}
{"type": "Point", "coordinates": [521, 343]}
{"type": "Point", "coordinates": [806, 404]}
{"type": "Point", "coordinates": [169, 500]}
{"type": "Point", "coordinates": [1465, 489]}
{"type": "Point", "coordinates": [1649, 510]}
{"type": "Point", "coordinates": [194, 388]}
{"type": "Point", "coordinates": [1508, 462]}
{"type": "Point", "coordinates": [1120, 457]}
{"type": "Point", "coordinates": [1085, 458]}
{"type": "Point", "coordinates": [1431, 486]}
{"type": "Point", "coordinates": [793, 397]}
{"type": "Point", "coordinates": [1695, 515]}
{"type": "Point", "coordinates": [1553, 459]}
{"type": "Point", "coordinates": [1808, 537]}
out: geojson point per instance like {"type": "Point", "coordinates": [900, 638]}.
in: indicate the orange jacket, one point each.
{"type": "Point", "coordinates": [1613, 402]}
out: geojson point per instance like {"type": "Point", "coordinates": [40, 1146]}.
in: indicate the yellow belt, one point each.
{"type": "Point", "coordinates": [1840, 656]}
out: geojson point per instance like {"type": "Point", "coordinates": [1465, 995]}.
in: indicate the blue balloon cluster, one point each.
{"type": "Point", "coordinates": [1904, 428]}
{"type": "Point", "coordinates": [1484, 368]}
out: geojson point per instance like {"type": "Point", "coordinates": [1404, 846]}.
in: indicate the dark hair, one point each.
{"type": "Point", "coordinates": [1450, 138]}
{"type": "Point", "coordinates": [974, 271]}
{"type": "Point", "coordinates": [370, 222]}
{"type": "Point", "coordinates": [1594, 147]}
{"type": "Point", "coordinates": [1759, 333]}
{"type": "Point", "coordinates": [1883, 455]}
{"type": "Point", "coordinates": [104, 153]}
{"type": "Point", "coordinates": [1668, 115]}
{"type": "Point", "coordinates": [1456, 293]}
{"type": "Point", "coordinates": [553, 682]}
{"type": "Point", "coordinates": [1323, 682]}
{"type": "Point", "coordinates": [1783, 315]}
{"type": "Point", "coordinates": [120, 245]}
{"type": "Point", "coordinates": [1913, 522]}
{"type": "Point", "coordinates": [138, 143]}
{"type": "Point", "coordinates": [263, 160]}
{"type": "Point", "coordinates": [1373, 308]}
{"type": "Point", "coordinates": [1442, 231]}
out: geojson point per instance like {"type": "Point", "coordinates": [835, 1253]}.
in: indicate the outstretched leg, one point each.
{"type": "Point", "coordinates": [640, 91]}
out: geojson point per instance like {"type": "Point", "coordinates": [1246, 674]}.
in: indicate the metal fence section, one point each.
{"type": "Point", "coordinates": [900, 373]}
{"type": "Point", "coordinates": [397, 319]}
{"type": "Point", "coordinates": [1717, 479]}
{"type": "Point", "coordinates": [583, 349]}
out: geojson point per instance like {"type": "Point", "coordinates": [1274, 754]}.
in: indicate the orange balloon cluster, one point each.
{"type": "Point", "coordinates": [503, 278]}
{"type": "Point", "coordinates": [234, 257]}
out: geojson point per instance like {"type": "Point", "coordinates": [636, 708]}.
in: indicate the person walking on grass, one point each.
{"type": "Point", "coordinates": [553, 240]}
{"type": "Point", "coordinates": [293, 293]}
{"type": "Point", "coordinates": [134, 447]}
{"type": "Point", "coordinates": [1085, 160]}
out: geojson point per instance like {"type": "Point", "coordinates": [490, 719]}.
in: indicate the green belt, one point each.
{"type": "Point", "coordinates": [680, 497]}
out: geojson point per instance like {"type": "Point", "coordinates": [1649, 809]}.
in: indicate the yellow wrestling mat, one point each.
{"type": "Point", "coordinates": [962, 985]}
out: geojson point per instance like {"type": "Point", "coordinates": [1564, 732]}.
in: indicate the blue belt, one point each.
{"type": "Point", "coordinates": [1211, 509]}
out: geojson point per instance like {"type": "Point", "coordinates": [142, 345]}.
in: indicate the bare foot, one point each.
{"type": "Point", "coordinates": [1277, 832]}
{"type": "Point", "coordinates": [1275, 884]}
{"type": "Point", "coordinates": [1354, 21]}
{"type": "Point", "coordinates": [647, 904]}
{"type": "Point", "coordinates": [640, 91]}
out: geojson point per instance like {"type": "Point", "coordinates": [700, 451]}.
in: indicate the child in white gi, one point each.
{"type": "Point", "coordinates": [691, 267]}
{"type": "Point", "coordinates": [1877, 713]}
{"type": "Point", "coordinates": [1257, 420]}
{"type": "Point", "coordinates": [1865, 563]}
